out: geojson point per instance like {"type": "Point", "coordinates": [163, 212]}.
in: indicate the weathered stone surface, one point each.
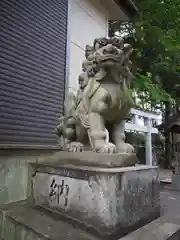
{"type": "Point", "coordinates": [103, 101]}
{"type": "Point", "coordinates": [14, 172]}
{"type": "Point", "coordinates": [93, 159]}
{"type": "Point", "coordinates": [22, 222]}
{"type": "Point", "coordinates": [109, 200]}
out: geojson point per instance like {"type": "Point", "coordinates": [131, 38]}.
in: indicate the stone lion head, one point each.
{"type": "Point", "coordinates": [113, 53]}
{"type": "Point", "coordinates": [110, 52]}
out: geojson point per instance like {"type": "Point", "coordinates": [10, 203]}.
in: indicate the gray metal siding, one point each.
{"type": "Point", "coordinates": [32, 69]}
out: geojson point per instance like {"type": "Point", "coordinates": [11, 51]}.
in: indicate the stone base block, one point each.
{"type": "Point", "coordinates": [89, 158]}
{"type": "Point", "coordinates": [163, 228]}
{"type": "Point", "coordinates": [110, 201]}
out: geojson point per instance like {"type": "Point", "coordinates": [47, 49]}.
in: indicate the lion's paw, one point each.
{"type": "Point", "coordinates": [106, 148]}
{"type": "Point", "coordinates": [75, 147]}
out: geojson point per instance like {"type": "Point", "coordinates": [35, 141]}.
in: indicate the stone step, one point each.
{"type": "Point", "coordinates": [163, 228]}
{"type": "Point", "coordinates": [19, 221]}
{"type": "Point", "coordinates": [109, 201]}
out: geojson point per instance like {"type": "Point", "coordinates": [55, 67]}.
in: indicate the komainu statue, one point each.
{"type": "Point", "coordinates": [103, 100]}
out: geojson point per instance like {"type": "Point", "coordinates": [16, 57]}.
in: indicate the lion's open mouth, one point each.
{"type": "Point", "coordinates": [103, 59]}
{"type": "Point", "coordinates": [109, 59]}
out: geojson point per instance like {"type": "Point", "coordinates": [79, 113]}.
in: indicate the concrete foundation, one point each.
{"type": "Point", "coordinates": [14, 172]}
{"type": "Point", "coordinates": [110, 201]}
{"type": "Point", "coordinates": [19, 221]}
{"type": "Point", "coordinates": [15, 225]}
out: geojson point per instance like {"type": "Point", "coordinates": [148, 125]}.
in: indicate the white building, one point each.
{"type": "Point", "coordinates": [88, 19]}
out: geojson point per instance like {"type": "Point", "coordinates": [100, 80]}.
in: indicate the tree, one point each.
{"type": "Point", "coordinates": [156, 58]}
{"type": "Point", "coordinates": [155, 38]}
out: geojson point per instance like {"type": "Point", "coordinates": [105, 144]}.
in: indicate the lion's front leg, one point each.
{"type": "Point", "coordinates": [97, 134]}
{"type": "Point", "coordinates": [118, 136]}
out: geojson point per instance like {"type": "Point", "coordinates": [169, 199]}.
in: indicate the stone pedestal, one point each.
{"type": "Point", "coordinates": [109, 201]}
{"type": "Point", "coordinates": [89, 158]}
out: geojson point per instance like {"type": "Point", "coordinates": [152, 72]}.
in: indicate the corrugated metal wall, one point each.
{"type": "Point", "coordinates": [32, 69]}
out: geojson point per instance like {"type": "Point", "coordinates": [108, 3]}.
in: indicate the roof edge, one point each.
{"type": "Point", "coordinates": [129, 7]}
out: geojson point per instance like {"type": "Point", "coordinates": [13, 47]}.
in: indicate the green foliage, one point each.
{"type": "Point", "coordinates": [138, 139]}
{"type": "Point", "coordinates": [135, 138]}
{"type": "Point", "coordinates": [155, 37]}
{"type": "Point", "coordinates": [152, 92]}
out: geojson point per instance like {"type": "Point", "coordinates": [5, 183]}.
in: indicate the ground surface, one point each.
{"type": "Point", "coordinates": [164, 174]}
{"type": "Point", "coordinates": [170, 202]}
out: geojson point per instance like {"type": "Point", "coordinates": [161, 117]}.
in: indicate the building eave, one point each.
{"type": "Point", "coordinates": [129, 7]}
